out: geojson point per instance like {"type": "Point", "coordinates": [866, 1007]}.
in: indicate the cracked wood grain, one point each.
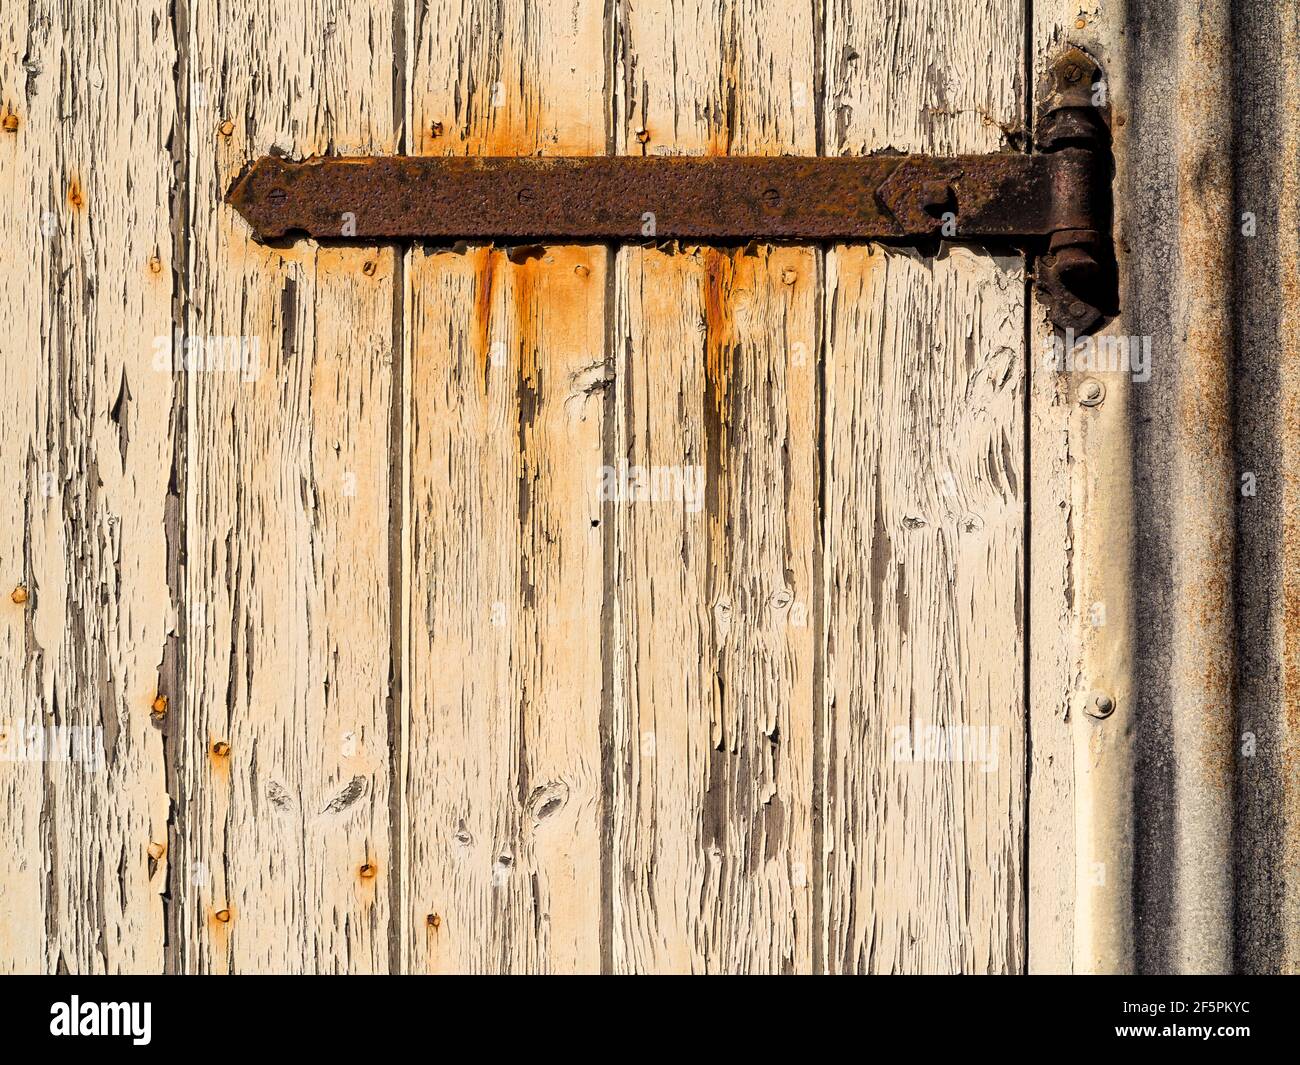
{"type": "Point", "coordinates": [284, 765]}
{"type": "Point", "coordinates": [656, 736]}
{"type": "Point", "coordinates": [86, 108]}
{"type": "Point", "coordinates": [505, 428]}
{"type": "Point", "coordinates": [924, 520]}
{"type": "Point", "coordinates": [713, 641]}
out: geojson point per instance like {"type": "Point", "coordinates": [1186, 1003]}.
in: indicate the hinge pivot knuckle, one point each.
{"type": "Point", "coordinates": [1076, 277]}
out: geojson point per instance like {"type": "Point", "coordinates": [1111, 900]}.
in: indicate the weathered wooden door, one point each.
{"type": "Point", "coordinates": [564, 608]}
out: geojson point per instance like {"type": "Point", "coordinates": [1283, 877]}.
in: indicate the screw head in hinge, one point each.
{"type": "Point", "coordinates": [1091, 392]}
{"type": "Point", "coordinates": [1100, 705]}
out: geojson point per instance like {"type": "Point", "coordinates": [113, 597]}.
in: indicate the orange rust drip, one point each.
{"type": "Point", "coordinates": [719, 367]}
{"type": "Point", "coordinates": [719, 276]}
{"type": "Point", "coordinates": [485, 280]}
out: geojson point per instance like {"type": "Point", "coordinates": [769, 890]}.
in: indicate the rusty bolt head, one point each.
{"type": "Point", "coordinates": [11, 123]}
{"type": "Point", "coordinates": [223, 916]}
{"type": "Point", "coordinates": [436, 129]}
{"type": "Point", "coordinates": [643, 135]}
{"type": "Point", "coordinates": [368, 871]}
{"type": "Point", "coordinates": [1100, 705]}
{"type": "Point", "coordinates": [19, 595]}
{"type": "Point", "coordinates": [524, 195]}
{"type": "Point", "coordinates": [277, 196]}
{"type": "Point", "coordinates": [226, 128]}
{"type": "Point", "coordinates": [789, 277]}
{"type": "Point", "coordinates": [434, 920]}
{"type": "Point", "coordinates": [221, 748]}
{"type": "Point", "coordinates": [581, 271]}
{"type": "Point", "coordinates": [155, 264]}
{"type": "Point", "coordinates": [368, 268]}
{"type": "Point", "coordinates": [159, 707]}
{"type": "Point", "coordinates": [771, 197]}
{"type": "Point", "coordinates": [1073, 73]}
{"type": "Point", "coordinates": [1091, 392]}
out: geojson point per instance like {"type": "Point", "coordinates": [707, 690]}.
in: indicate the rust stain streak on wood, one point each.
{"type": "Point", "coordinates": [713, 644]}
{"type": "Point", "coordinates": [505, 596]}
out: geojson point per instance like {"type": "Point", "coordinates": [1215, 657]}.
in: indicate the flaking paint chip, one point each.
{"type": "Point", "coordinates": [226, 128]}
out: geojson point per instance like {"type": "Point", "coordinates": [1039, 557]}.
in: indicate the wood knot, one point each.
{"type": "Point", "coordinates": [548, 799]}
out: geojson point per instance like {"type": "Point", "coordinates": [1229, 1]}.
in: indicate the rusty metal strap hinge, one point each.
{"type": "Point", "coordinates": [1053, 203]}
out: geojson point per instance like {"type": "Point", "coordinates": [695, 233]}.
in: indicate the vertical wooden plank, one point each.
{"type": "Point", "coordinates": [1081, 588]}
{"type": "Point", "coordinates": [504, 432]}
{"type": "Point", "coordinates": [1053, 613]}
{"type": "Point", "coordinates": [285, 761]}
{"type": "Point", "coordinates": [713, 643]}
{"type": "Point", "coordinates": [28, 144]}
{"type": "Point", "coordinates": [86, 109]}
{"type": "Point", "coordinates": [1050, 871]}
{"type": "Point", "coordinates": [924, 521]}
